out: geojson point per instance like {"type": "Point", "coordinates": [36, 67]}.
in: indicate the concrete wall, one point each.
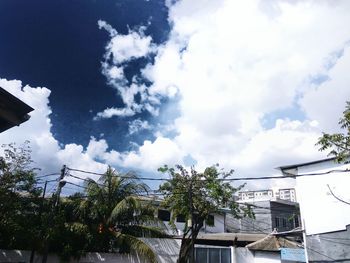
{"type": "Point", "coordinates": [219, 226]}
{"type": "Point", "coordinates": [244, 255]}
{"type": "Point", "coordinates": [329, 246]}
{"type": "Point", "coordinates": [261, 224]}
{"type": "Point", "coordinates": [265, 215]}
{"type": "Point", "coordinates": [24, 256]}
{"type": "Point", "coordinates": [267, 257]}
{"type": "Point", "coordinates": [166, 249]}
{"type": "Point", "coordinates": [320, 210]}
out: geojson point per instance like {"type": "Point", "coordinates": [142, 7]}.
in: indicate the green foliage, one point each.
{"type": "Point", "coordinates": [197, 196]}
{"type": "Point", "coordinates": [108, 217]}
{"type": "Point", "coordinates": [116, 216]}
{"type": "Point", "coordinates": [208, 196]}
{"type": "Point", "coordinates": [338, 143]}
{"type": "Point", "coordinates": [19, 197]}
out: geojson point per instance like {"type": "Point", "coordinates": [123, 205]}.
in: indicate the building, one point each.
{"type": "Point", "coordinates": [324, 197]}
{"type": "Point", "coordinates": [13, 111]}
{"type": "Point", "coordinates": [286, 194]}
{"type": "Point", "coordinates": [217, 224]}
{"type": "Point", "coordinates": [270, 215]}
{"type": "Point", "coordinates": [283, 194]}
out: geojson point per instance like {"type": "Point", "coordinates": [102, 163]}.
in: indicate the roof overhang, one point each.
{"type": "Point", "coordinates": [13, 111]}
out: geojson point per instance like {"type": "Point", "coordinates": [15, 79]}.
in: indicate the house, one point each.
{"type": "Point", "coordinates": [270, 215]}
{"type": "Point", "coordinates": [324, 197]}
{"type": "Point", "coordinates": [217, 222]}
{"type": "Point", "coordinates": [13, 111]}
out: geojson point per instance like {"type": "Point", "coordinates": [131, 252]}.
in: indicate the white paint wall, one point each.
{"type": "Point", "coordinates": [219, 226]}
{"type": "Point", "coordinates": [24, 256]}
{"type": "Point", "coordinates": [244, 255]}
{"type": "Point", "coordinates": [267, 257]}
{"type": "Point", "coordinates": [320, 211]}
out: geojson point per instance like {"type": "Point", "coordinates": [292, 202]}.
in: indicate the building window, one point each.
{"type": "Point", "coordinates": [210, 220]}
{"type": "Point", "coordinates": [212, 255]}
{"type": "Point", "coordinates": [277, 222]}
{"type": "Point", "coordinates": [163, 215]}
{"type": "Point", "coordinates": [181, 219]}
{"type": "Point", "coordinates": [284, 222]}
{"type": "Point", "coordinates": [296, 221]}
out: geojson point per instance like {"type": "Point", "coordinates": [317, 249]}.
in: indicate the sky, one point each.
{"type": "Point", "coordinates": [136, 84]}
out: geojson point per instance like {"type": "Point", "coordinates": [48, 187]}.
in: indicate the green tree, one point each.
{"type": "Point", "coordinates": [116, 216]}
{"type": "Point", "coordinates": [197, 196]}
{"type": "Point", "coordinates": [338, 143]}
{"type": "Point", "coordinates": [19, 198]}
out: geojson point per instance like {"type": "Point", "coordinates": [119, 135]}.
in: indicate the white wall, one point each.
{"type": "Point", "coordinates": [244, 255]}
{"type": "Point", "coordinates": [219, 226]}
{"type": "Point", "coordinates": [267, 257]}
{"type": "Point", "coordinates": [24, 256]}
{"type": "Point", "coordinates": [320, 211]}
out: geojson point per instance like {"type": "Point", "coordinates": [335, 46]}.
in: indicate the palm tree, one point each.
{"type": "Point", "coordinates": [117, 216]}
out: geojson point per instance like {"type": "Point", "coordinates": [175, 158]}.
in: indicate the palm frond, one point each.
{"type": "Point", "coordinates": [143, 231]}
{"type": "Point", "coordinates": [128, 205]}
{"type": "Point", "coordinates": [128, 242]}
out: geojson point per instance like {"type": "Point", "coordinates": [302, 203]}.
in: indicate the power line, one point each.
{"type": "Point", "coordinates": [46, 175]}
{"type": "Point", "coordinates": [285, 176]}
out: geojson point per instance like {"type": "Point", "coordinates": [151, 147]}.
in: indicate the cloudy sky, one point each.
{"type": "Point", "coordinates": [136, 84]}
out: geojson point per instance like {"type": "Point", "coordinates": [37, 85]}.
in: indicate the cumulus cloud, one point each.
{"type": "Point", "coordinates": [234, 63]}
{"type": "Point", "coordinates": [229, 64]}
{"type": "Point", "coordinates": [326, 102]}
{"type": "Point", "coordinates": [138, 125]}
{"type": "Point", "coordinates": [120, 50]}
{"type": "Point", "coordinates": [47, 153]}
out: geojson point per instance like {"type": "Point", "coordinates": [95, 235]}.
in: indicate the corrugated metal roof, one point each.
{"type": "Point", "coordinates": [272, 243]}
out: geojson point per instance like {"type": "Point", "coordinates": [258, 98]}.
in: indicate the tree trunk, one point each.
{"type": "Point", "coordinates": [187, 243]}
{"type": "Point", "coordinates": [32, 254]}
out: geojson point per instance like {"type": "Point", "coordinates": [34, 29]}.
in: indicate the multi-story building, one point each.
{"type": "Point", "coordinates": [259, 195]}
{"type": "Point", "coordinates": [274, 214]}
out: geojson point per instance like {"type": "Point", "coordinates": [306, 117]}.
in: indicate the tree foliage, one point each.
{"type": "Point", "coordinates": [116, 216]}
{"type": "Point", "coordinates": [196, 196]}
{"type": "Point", "coordinates": [338, 144]}
{"type": "Point", "coordinates": [19, 198]}
{"type": "Point", "coordinates": [108, 217]}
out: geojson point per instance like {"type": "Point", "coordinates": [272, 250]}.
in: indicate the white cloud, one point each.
{"type": "Point", "coordinates": [47, 153]}
{"type": "Point", "coordinates": [233, 63]}
{"type": "Point", "coordinates": [138, 125]}
{"type": "Point", "coordinates": [229, 64]}
{"type": "Point", "coordinates": [326, 102]}
{"type": "Point", "coordinates": [120, 50]}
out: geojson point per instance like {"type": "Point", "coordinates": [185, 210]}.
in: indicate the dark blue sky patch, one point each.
{"type": "Point", "coordinates": [57, 44]}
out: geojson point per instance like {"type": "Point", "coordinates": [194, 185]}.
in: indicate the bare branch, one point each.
{"type": "Point", "coordinates": [336, 197]}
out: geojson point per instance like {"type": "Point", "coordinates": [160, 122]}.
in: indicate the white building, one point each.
{"type": "Point", "coordinates": [324, 198]}
{"type": "Point", "coordinates": [268, 194]}
{"type": "Point", "coordinates": [217, 222]}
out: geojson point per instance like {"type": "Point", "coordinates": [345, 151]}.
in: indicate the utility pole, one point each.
{"type": "Point", "coordinates": [192, 221]}
{"type": "Point", "coordinates": [32, 254]}
{"type": "Point", "coordinates": [61, 183]}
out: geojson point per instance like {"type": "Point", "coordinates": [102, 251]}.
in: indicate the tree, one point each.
{"type": "Point", "coordinates": [338, 143]}
{"type": "Point", "coordinates": [116, 216]}
{"type": "Point", "coordinates": [19, 198]}
{"type": "Point", "coordinates": [196, 196]}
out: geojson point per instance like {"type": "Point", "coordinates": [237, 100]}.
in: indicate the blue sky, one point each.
{"type": "Point", "coordinates": [138, 84]}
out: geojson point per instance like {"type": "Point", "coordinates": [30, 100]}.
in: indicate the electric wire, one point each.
{"type": "Point", "coordinates": [286, 175]}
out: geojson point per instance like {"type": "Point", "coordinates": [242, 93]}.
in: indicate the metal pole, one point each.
{"type": "Point", "coordinates": [61, 183]}
{"type": "Point", "coordinates": [192, 220]}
